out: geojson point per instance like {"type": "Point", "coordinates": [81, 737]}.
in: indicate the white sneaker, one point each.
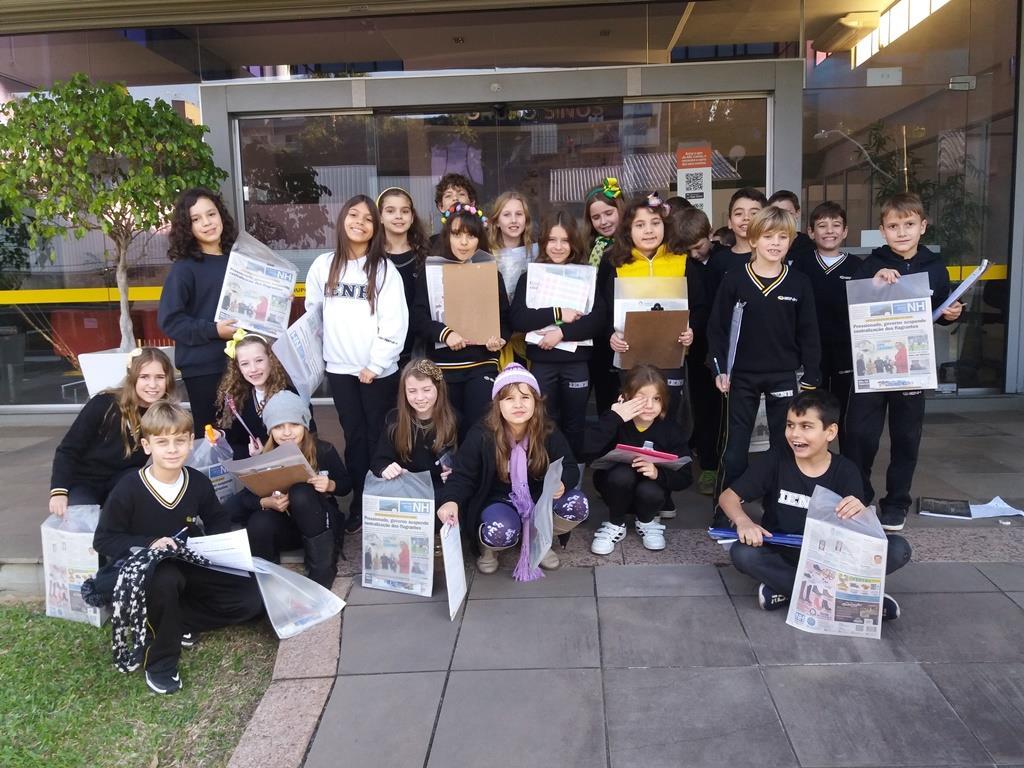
{"type": "Point", "coordinates": [653, 534]}
{"type": "Point", "coordinates": [606, 537]}
{"type": "Point", "coordinates": [550, 561]}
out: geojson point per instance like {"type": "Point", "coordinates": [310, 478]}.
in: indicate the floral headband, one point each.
{"type": "Point", "coordinates": [462, 208]}
{"type": "Point", "coordinates": [241, 333]}
{"type": "Point", "coordinates": [657, 205]}
{"type": "Point", "coordinates": [609, 188]}
{"type": "Point", "coordinates": [427, 368]}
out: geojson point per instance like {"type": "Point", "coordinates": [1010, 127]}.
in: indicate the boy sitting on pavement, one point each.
{"type": "Point", "coordinates": [784, 479]}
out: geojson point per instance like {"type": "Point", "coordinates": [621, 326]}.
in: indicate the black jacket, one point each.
{"type": "Point", "coordinates": [421, 459]}
{"type": "Point", "coordinates": [923, 261]}
{"type": "Point", "coordinates": [188, 304]}
{"type": "Point", "coordinates": [829, 286]}
{"type": "Point", "coordinates": [591, 326]}
{"type": "Point", "coordinates": [665, 435]}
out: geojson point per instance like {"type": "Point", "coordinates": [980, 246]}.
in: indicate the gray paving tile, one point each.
{"type": "Point", "coordinates": [869, 715]}
{"type": "Point", "coordinates": [665, 718]}
{"type": "Point", "coordinates": [555, 632]}
{"type": "Point", "coordinates": [775, 642]}
{"type": "Point", "coordinates": [1009, 577]}
{"type": "Point", "coordinates": [944, 418]}
{"type": "Point", "coordinates": [412, 637]}
{"type": "Point", "coordinates": [659, 581]}
{"type": "Point", "coordinates": [990, 699]}
{"type": "Point", "coordinates": [565, 582]}
{"type": "Point", "coordinates": [938, 577]}
{"type": "Point", "coordinates": [970, 429]}
{"type": "Point", "coordinates": [1017, 597]}
{"type": "Point", "coordinates": [360, 595]}
{"type": "Point", "coordinates": [510, 719]}
{"type": "Point", "coordinates": [671, 632]}
{"type": "Point", "coordinates": [980, 486]}
{"type": "Point", "coordinates": [358, 724]}
{"type": "Point", "coordinates": [737, 583]}
{"type": "Point", "coordinates": [980, 626]}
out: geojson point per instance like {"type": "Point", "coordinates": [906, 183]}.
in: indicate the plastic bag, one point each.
{"type": "Point", "coordinates": [293, 602]}
{"type": "Point", "coordinates": [68, 560]}
{"type": "Point", "coordinates": [398, 533]}
{"type": "Point", "coordinates": [208, 456]}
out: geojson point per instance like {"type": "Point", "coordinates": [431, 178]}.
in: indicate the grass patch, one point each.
{"type": "Point", "coordinates": [63, 704]}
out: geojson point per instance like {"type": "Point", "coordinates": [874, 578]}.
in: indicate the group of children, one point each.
{"type": "Point", "coordinates": [415, 394]}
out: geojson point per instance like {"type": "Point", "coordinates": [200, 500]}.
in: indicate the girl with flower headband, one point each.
{"type": "Point", "coordinates": [562, 373]}
{"type": "Point", "coordinates": [406, 243]}
{"type": "Point", "coordinates": [365, 324]}
{"type": "Point", "coordinates": [602, 208]}
{"type": "Point", "coordinates": [202, 233]}
{"type": "Point", "coordinates": [468, 365]}
{"type": "Point", "coordinates": [421, 433]}
{"type": "Point", "coordinates": [499, 476]}
{"type": "Point", "coordinates": [102, 444]}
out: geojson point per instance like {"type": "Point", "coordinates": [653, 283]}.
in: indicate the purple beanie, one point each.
{"type": "Point", "coordinates": [514, 373]}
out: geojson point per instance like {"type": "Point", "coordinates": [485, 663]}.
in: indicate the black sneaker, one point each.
{"type": "Point", "coordinates": [893, 519]}
{"type": "Point", "coordinates": [354, 523]}
{"type": "Point", "coordinates": [163, 682]}
{"type": "Point", "coordinates": [890, 608]}
{"type": "Point", "coordinates": [770, 600]}
{"type": "Point", "coordinates": [189, 639]}
{"type": "Point", "coordinates": [719, 520]}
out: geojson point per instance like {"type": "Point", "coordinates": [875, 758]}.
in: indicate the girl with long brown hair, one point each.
{"type": "Point", "coordinates": [499, 476]}
{"type": "Point", "coordinates": [102, 444]}
{"type": "Point", "coordinates": [365, 323]}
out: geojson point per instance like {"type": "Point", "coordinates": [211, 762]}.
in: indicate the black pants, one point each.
{"type": "Point", "coordinates": [745, 390]}
{"type": "Point", "coordinates": [469, 391]}
{"type": "Point", "coordinates": [776, 566]}
{"type": "Point", "coordinates": [603, 376]}
{"type": "Point", "coordinates": [83, 494]}
{"type": "Point", "coordinates": [362, 409]}
{"type": "Point", "coordinates": [865, 419]}
{"type": "Point", "coordinates": [309, 514]}
{"type": "Point", "coordinates": [181, 597]}
{"type": "Point", "coordinates": [202, 399]}
{"type": "Point", "coordinates": [626, 491]}
{"type": "Point", "coordinates": [837, 378]}
{"type": "Point", "coordinates": [566, 389]}
{"type": "Point", "coordinates": [706, 403]}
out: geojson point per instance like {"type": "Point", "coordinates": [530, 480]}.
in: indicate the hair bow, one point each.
{"type": "Point", "coordinates": [460, 208]}
{"type": "Point", "coordinates": [241, 333]}
{"type": "Point", "coordinates": [131, 356]}
{"type": "Point", "coordinates": [655, 203]}
{"type": "Point", "coordinates": [429, 369]}
{"type": "Point", "coordinates": [611, 188]}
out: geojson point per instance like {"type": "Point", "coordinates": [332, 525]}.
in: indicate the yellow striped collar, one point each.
{"type": "Point", "coordinates": [766, 289]}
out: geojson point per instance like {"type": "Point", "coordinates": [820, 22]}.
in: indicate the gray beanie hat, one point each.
{"type": "Point", "coordinates": [285, 408]}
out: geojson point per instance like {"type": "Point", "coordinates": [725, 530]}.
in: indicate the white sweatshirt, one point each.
{"type": "Point", "coordinates": [353, 338]}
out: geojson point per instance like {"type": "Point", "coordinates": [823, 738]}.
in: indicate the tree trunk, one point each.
{"type": "Point", "coordinates": [127, 329]}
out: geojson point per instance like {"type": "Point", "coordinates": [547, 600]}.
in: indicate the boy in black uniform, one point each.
{"type": "Point", "coordinates": [903, 224]}
{"type": "Point", "coordinates": [784, 479]}
{"type": "Point", "coordinates": [744, 205]}
{"type": "Point", "coordinates": [802, 245]}
{"type": "Point", "coordinates": [147, 509]}
{"type": "Point", "coordinates": [778, 335]}
{"type": "Point", "coordinates": [829, 270]}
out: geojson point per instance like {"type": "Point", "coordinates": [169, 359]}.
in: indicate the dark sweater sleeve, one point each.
{"type": "Point", "coordinates": [697, 298]}
{"type": "Point", "coordinates": [558, 448]}
{"type": "Point", "coordinates": [83, 432]}
{"type": "Point", "coordinates": [719, 323]}
{"type": "Point", "coordinates": [173, 314]}
{"type": "Point", "coordinates": [601, 437]}
{"type": "Point", "coordinates": [465, 478]}
{"type": "Point", "coordinates": [429, 330]}
{"type": "Point", "coordinates": [522, 318]}
{"type": "Point", "coordinates": [808, 336]}
{"type": "Point", "coordinates": [504, 315]}
{"type": "Point", "coordinates": [215, 517]}
{"type": "Point", "coordinates": [328, 459]}
{"type": "Point", "coordinates": [385, 454]}
{"type": "Point", "coordinates": [114, 536]}
{"type": "Point", "coordinates": [848, 479]}
{"type": "Point", "coordinates": [674, 442]}
{"type": "Point", "coordinates": [940, 285]}
{"type": "Point", "coordinates": [591, 325]}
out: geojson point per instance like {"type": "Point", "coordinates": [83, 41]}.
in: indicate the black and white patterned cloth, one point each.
{"type": "Point", "coordinates": [128, 622]}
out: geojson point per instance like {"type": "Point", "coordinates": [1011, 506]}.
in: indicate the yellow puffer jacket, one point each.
{"type": "Point", "coordinates": [662, 264]}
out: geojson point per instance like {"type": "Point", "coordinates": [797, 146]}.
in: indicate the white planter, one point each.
{"type": "Point", "coordinates": [106, 369]}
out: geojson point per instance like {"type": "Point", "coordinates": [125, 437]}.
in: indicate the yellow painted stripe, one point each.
{"type": "Point", "coordinates": [994, 272]}
{"type": "Point", "coordinates": [91, 295]}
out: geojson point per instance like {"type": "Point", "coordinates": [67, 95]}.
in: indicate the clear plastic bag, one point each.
{"type": "Point", "coordinates": [68, 560]}
{"type": "Point", "coordinates": [208, 456]}
{"type": "Point", "coordinates": [293, 602]}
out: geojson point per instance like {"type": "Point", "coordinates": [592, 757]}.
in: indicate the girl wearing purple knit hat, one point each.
{"type": "Point", "coordinates": [499, 474]}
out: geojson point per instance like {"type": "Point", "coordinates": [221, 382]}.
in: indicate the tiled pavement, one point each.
{"type": "Point", "coordinates": [674, 665]}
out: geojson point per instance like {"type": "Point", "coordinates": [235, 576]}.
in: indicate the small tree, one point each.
{"type": "Point", "coordinates": [87, 157]}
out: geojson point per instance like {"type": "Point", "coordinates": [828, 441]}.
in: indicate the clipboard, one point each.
{"type": "Point", "coordinates": [653, 338]}
{"type": "Point", "coordinates": [277, 470]}
{"type": "Point", "coordinates": [471, 300]}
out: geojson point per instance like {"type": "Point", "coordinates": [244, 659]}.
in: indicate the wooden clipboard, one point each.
{"type": "Point", "coordinates": [471, 300]}
{"type": "Point", "coordinates": [653, 338]}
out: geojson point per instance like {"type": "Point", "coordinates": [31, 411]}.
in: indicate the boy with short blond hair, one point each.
{"type": "Point", "coordinates": [903, 223]}
{"type": "Point", "coordinates": [157, 508]}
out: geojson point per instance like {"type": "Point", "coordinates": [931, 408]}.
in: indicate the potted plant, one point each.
{"type": "Point", "coordinates": [86, 156]}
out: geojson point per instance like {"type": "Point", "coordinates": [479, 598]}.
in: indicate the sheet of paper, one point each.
{"type": "Point", "coordinates": [735, 324]}
{"type": "Point", "coordinates": [995, 508]}
{"type": "Point", "coordinates": [960, 290]}
{"type": "Point", "coordinates": [228, 550]}
{"type": "Point", "coordinates": [561, 285]}
{"type": "Point", "coordinates": [542, 530]}
{"type": "Point", "coordinates": [454, 567]}
{"type": "Point", "coordinates": [534, 337]}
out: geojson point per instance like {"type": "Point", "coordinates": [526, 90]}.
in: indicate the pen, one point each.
{"type": "Point", "coordinates": [718, 371]}
{"type": "Point", "coordinates": [183, 530]}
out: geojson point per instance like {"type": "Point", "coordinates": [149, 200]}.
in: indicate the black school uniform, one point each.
{"type": "Point", "coordinates": [407, 266]}
{"type": "Point", "coordinates": [865, 416]}
{"type": "Point", "coordinates": [829, 285]}
{"type": "Point", "coordinates": [785, 494]}
{"type": "Point", "coordinates": [704, 395]}
{"type": "Point", "coordinates": [563, 376]}
{"type": "Point", "coordinates": [625, 490]}
{"type": "Point", "coordinates": [802, 247]}
{"type": "Point", "coordinates": [603, 377]}
{"type": "Point", "coordinates": [778, 335]}
{"type": "Point", "coordinates": [180, 597]}
{"type": "Point", "coordinates": [468, 372]}
{"type": "Point", "coordinates": [422, 457]}
{"type": "Point", "coordinates": [721, 261]}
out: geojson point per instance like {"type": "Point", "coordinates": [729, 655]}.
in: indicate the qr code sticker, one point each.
{"type": "Point", "coordinates": [693, 182]}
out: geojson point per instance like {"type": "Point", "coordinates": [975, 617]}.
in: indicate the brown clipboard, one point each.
{"type": "Point", "coordinates": [471, 300]}
{"type": "Point", "coordinates": [277, 470]}
{"type": "Point", "coordinates": [653, 338]}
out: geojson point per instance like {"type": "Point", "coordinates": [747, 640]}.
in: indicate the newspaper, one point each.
{"type": "Point", "coordinates": [257, 289]}
{"type": "Point", "coordinates": [891, 333]}
{"type": "Point", "coordinates": [454, 567]}
{"type": "Point", "coordinates": [840, 579]}
{"type": "Point", "coordinates": [398, 533]}
{"type": "Point", "coordinates": [542, 530]}
{"type": "Point", "coordinates": [643, 294]}
{"type": "Point", "coordinates": [301, 351]}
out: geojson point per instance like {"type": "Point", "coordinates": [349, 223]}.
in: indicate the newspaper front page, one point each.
{"type": "Point", "coordinates": [301, 351]}
{"type": "Point", "coordinates": [840, 578]}
{"type": "Point", "coordinates": [398, 534]}
{"type": "Point", "coordinates": [257, 289]}
{"type": "Point", "coordinates": [891, 333]}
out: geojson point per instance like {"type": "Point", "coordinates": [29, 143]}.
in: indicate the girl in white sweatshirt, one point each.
{"type": "Point", "coordinates": [365, 323]}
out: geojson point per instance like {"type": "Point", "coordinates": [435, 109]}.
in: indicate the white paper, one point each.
{"type": "Point", "coordinates": [258, 288]}
{"type": "Point", "coordinates": [301, 351]}
{"type": "Point", "coordinates": [542, 530]}
{"type": "Point", "coordinates": [561, 285]}
{"type": "Point", "coordinates": [995, 508]}
{"type": "Point", "coordinates": [228, 550]}
{"type": "Point", "coordinates": [735, 325]}
{"type": "Point", "coordinates": [960, 290]}
{"type": "Point", "coordinates": [398, 533]}
{"type": "Point", "coordinates": [454, 567]}
{"type": "Point", "coordinates": [534, 337]}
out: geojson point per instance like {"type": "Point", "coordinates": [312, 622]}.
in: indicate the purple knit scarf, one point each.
{"type": "Point", "coordinates": [523, 502]}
